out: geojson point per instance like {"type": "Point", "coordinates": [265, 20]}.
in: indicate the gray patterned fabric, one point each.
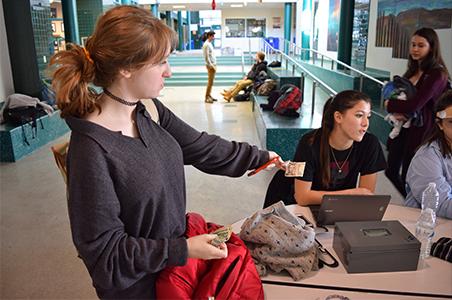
{"type": "Point", "coordinates": [280, 241]}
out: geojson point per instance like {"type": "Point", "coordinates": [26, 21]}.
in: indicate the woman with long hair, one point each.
{"type": "Point", "coordinates": [126, 185]}
{"type": "Point", "coordinates": [428, 73]}
{"type": "Point", "coordinates": [339, 152]}
{"type": "Point", "coordinates": [433, 161]}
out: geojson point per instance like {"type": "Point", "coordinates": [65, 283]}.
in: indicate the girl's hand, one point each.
{"type": "Point", "coordinates": [280, 164]}
{"type": "Point", "coordinates": [199, 247]}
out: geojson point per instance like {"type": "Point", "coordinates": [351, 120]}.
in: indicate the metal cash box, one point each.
{"type": "Point", "coordinates": [375, 246]}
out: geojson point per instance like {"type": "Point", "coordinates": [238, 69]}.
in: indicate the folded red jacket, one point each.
{"type": "Point", "coordinates": [234, 277]}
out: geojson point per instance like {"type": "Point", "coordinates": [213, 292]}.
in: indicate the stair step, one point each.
{"type": "Point", "coordinates": [199, 83]}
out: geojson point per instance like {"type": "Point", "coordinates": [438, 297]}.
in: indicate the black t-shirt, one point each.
{"type": "Point", "coordinates": [365, 157]}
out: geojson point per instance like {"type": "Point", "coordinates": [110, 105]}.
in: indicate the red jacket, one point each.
{"type": "Point", "coordinates": [234, 277]}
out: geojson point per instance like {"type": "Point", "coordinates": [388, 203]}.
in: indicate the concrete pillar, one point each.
{"type": "Point", "coordinates": [169, 19]}
{"type": "Point", "coordinates": [180, 30]}
{"type": "Point", "coordinates": [189, 31]}
{"type": "Point", "coordinates": [344, 51]}
{"type": "Point", "coordinates": [71, 34]}
{"type": "Point", "coordinates": [21, 46]}
{"type": "Point", "coordinates": [306, 14]}
{"type": "Point", "coordinates": [287, 24]}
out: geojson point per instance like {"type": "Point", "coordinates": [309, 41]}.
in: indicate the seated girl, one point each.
{"type": "Point", "coordinates": [340, 151]}
{"type": "Point", "coordinates": [433, 162]}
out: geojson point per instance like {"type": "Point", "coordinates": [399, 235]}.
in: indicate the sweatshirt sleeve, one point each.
{"type": "Point", "coordinates": [427, 167]}
{"type": "Point", "coordinates": [113, 258]}
{"type": "Point", "coordinates": [210, 153]}
{"type": "Point", "coordinates": [432, 86]}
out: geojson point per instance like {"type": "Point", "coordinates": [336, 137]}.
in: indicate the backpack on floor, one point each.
{"type": "Point", "coordinates": [289, 102]}
{"type": "Point", "coordinates": [245, 96]}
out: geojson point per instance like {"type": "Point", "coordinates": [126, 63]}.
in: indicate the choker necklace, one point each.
{"type": "Point", "coordinates": [120, 100]}
{"type": "Point", "coordinates": [343, 163]}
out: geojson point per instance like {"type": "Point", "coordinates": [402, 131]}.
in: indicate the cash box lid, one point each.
{"type": "Point", "coordinates": [375, 236]}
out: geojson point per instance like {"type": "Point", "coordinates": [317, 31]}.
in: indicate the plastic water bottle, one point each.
{"type": "Point", "coordinates": [425, 226]}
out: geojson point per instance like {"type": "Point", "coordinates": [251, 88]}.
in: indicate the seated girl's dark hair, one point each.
{"type": "Point", "coordinates": [437, 134]}
{"type": "Point", "coordinates": [341, 102]}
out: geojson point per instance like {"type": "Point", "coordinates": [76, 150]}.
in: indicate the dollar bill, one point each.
{"type": "Point", "coordinates": [223, 235]}
{"type": "Point", "coordinates": [294, 169]}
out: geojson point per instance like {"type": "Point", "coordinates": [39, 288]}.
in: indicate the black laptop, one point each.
{"type": "Point", "coordinates": [337, 208]}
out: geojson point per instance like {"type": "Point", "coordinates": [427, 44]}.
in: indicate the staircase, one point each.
{"type": "Point", "coordinates": [198, 60]}
{"type": "Point", "coordinates": [198, 76]}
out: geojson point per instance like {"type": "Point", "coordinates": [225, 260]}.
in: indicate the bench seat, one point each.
{"type": "Point", "coordinates": [12, 144]}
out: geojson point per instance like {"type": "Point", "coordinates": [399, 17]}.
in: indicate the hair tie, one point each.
{"type": "Point", "coordinates": [88, 57]}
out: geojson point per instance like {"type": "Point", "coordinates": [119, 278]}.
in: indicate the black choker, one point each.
{"type": "Point", "coordinates": [120, 100]}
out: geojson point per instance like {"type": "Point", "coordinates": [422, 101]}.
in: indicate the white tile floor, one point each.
{"type": "Point", "coordinates": [38, 260]}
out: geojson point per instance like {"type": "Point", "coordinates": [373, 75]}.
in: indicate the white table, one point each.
{"type": "Point", "coordinates": [433, 280]}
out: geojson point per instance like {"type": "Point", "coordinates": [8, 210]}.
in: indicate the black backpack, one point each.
{"type": "Point", "coordinates": [275, 64]}
{"type": "Point", "coordinates": [25, 115]}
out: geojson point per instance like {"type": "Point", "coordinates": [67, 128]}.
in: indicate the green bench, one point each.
{"type": "Point", "coordinates": [12, 143]}
{"type": "Point", "coordinates": [278, 133]}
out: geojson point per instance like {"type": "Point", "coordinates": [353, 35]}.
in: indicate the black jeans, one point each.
{"type": "Point", "coordinates": [399, 156]}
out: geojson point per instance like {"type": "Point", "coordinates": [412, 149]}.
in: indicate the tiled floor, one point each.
{"type": "Point", "coordinates": [38, 260]}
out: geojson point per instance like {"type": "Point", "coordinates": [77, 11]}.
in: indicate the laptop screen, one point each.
{"type": "Point", "coordinates": [337, 208]}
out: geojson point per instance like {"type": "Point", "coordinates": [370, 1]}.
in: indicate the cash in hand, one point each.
{"type": "Point", "coordinates": [223, 235]}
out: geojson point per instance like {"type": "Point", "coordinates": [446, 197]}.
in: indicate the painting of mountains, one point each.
{"type": "Point", "coordinates": [398, 20]}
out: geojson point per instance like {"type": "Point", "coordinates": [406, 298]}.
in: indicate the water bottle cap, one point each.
{"type": "Point", "coordinates": [432, 184]}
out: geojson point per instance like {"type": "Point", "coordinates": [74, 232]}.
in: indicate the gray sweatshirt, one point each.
{"type": "Point", "coordinates": [127, 196]}
{"type": "Point", "coordinates": [209, 54]}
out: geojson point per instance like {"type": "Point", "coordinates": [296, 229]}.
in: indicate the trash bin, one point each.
{"type": "Point", "coordinates": [273, 41]}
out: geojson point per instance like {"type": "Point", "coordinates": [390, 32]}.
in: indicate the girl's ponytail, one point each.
{"type": "Point", "coordinates": [72, 72]}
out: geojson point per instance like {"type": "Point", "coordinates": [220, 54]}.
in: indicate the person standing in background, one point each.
{"type": "Point", "coordinates": [211, 64]}
{"type": "Point", "coordinates": [428, 73]}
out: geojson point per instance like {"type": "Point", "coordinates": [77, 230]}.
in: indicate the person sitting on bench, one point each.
{"type": "Point", "coordinates": [260, 65]}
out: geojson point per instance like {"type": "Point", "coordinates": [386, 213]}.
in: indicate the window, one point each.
{"type": "Point", "coordinates": [255, 27]}
{"type": "Point", "coordinates": [53, 12]}
{"type": "Point", "coordinates": [235, 28]}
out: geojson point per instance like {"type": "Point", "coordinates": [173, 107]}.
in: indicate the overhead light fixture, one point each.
{"type": "Point", "coordinates": [236, 5]}
{"type": "Point", "coordinates": [178, 6]}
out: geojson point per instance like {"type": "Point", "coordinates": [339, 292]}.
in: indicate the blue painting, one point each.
{"type": "Point", "coordinates": [333, 25]}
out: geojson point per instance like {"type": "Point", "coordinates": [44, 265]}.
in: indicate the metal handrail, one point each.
{"type": "Point", "coordinates": [304, 72]}
{"type": "Point", "coordinates": [336, 61]}
{"type": "Point", "coordinates": [243, 62]}
{"type": "Point", "coordinates": [362, 74]}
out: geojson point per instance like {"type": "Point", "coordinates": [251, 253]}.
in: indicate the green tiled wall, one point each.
{"type": "Point", "coordinates": [42, 31]}
{"type": "Point", "coordinates": [87, 14]}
